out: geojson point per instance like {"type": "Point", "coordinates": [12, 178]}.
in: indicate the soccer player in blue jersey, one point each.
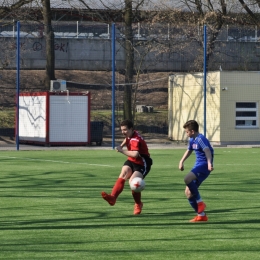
{"type": "Point", "coordinates": [201, 169]}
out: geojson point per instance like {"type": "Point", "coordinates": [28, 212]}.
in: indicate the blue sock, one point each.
{"type": "Point", "coordinates": [193, 203]}
{"type": "Point", "coordinates": [194, 190]}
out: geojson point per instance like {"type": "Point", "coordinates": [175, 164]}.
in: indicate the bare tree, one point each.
{"type": "Point", "coordinates": [129, 59]}
{"type": "Point", "coordinates": [18, 11]}
{"type": "Point", "coordinates": [254, 16]}
{"type": "Point", "coordinates": [49, 35]}
{"type": "Point", "coordinates": [211, 13]}
{"type": "Point", "coordinates": [127, 13]}
{"type": "Point", "coordinates": [8, 54]}
{"type": "Point", "coordinates": [6, 9]}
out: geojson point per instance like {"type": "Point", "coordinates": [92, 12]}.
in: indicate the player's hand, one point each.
{"type": "Point", "coordinates": [210, 167]}
{"type": "Point", "coordinates": [181, 167]}
{"type": "Point", "coordinates": [119, 148]}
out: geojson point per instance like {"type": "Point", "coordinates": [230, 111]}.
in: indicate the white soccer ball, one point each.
{"type": "Point", "coordinates": [137, 184]}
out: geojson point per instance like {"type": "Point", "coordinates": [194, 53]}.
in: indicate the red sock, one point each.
{"type": "Point", "coordinates": [118, 187]}
{"type": "Point", "coordinates": [137, 197]}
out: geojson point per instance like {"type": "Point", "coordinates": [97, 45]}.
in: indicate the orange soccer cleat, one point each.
{"type": "Point", "coordinates": [138, 208]}
{"type": "Point", "coordinates": [109, 198]}
{"type": "Point", "coordinates": [199, 219]}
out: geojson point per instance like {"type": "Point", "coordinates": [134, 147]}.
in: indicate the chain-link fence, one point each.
{"type": "Point", "coordinates": [83, 59]}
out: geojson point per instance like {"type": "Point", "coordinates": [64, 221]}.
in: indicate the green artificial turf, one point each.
{"type": "Point", "coordinates": [51, 208]}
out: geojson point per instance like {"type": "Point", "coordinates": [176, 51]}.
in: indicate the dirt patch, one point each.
{"type": "Point", "coordinates": [152, 88]}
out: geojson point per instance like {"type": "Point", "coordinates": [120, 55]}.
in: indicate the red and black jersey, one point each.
{"type": "Point", "coordinates": [137, 143]}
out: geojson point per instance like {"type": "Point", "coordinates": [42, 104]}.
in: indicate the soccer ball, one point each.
{"type": "Point", "coordinates": [137, 184]}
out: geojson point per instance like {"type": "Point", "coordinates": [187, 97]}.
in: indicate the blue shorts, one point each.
{"type": "Point", "coordinates": [201, 172]}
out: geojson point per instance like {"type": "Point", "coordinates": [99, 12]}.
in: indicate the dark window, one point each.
{"type": "Point", "coordinates": [245, 122]}
{"type": "Point", "coordinates": [245, 113]}
{"type": "Point", "coordinates": [245, 105]}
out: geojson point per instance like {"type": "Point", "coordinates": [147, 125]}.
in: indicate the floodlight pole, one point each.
{"type": "Point", "coordinates": [17, 83]}
{"type": "Point", "coordinates": [205, 78]}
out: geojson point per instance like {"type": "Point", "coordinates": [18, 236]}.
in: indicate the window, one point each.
{"type": "Point", "coordinates": [246, 115]}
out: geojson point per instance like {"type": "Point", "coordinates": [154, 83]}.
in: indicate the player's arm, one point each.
{"type": "Point", "coordinates": [184, 157]}
{"type": "Point", "coordinates": [209, 158]}
{"type": "Point", "coordinates": [127, 153]}
{"type": "Point", "coordinates": [123, 143]}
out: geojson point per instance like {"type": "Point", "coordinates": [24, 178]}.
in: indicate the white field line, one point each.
{"type": "Point", "coordinates": [53, 161]}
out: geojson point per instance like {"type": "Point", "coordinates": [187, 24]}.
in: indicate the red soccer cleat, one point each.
{"type": "Point", "coordinates": [201, 207]}
{"type": "Point", "coordinates": [199, 219]}
{"type": "Point", "coordinates": [109, 198]}
{"type": "Point", "coordinates": [138, 208]}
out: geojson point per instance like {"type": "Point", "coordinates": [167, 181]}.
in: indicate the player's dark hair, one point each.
{"type": "Point", "coordinates": [127, 123]}
{"type": "Point", "coordinates": [191, 125]}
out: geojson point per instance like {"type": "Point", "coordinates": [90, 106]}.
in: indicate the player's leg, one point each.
{"type": "Point", "coordinates": [191, 199]}
{"type": "Point", "coordinates": [137, 195]}
{"type": "Point", "coordinates": [125, 174]}
{"type": "Point", "coordinates": [200, 216]}
{"type": "Point", "coordinates": [192, 184]}
{"type": "Point", "coordinates": [193, 202]}
{"type": "Point", "coordinates": [141, 172]}
{"type": "Point", "coordinates": [118, 187]}
{"type": "Point", "coordinates": [189, 181]}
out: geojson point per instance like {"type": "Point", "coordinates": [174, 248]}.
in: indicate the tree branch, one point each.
{"type": "Point", "coordinates": [199, 6]}
{"type": "Point", "coordinates": [5, 10]}
{"type": "Point", "coordinates": [223, 6]}
{"type": "Point", "coordinates": [249, 11]}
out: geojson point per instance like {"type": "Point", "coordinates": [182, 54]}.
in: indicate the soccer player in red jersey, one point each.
{"type": "Point", "coordinates": [138, 164]}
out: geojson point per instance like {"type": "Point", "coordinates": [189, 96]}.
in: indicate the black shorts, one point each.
{"type": "Point", "coordinates": [143, 169]}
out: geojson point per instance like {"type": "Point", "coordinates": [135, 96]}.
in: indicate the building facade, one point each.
{"type": "Point", "coordinates": [232, 106]}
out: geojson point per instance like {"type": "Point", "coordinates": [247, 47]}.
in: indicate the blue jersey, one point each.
{"type": "Point", "coordinates": [198, 145]}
